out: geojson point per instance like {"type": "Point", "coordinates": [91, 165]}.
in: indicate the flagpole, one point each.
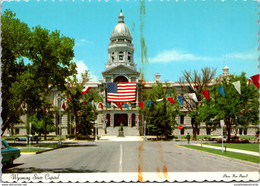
{"type": "Point", "coordinates": [60, 120]}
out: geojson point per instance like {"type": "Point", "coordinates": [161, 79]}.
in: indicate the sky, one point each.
{"type": "Point", "coordinates": [179, 35]}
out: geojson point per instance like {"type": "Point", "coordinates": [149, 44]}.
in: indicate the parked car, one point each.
{"type": "Point", "coordinates": [233, 139]}
{"type": "Point", "coordinates": [25, 138]}
{"type": "Point", "coordinates": [9, 154]}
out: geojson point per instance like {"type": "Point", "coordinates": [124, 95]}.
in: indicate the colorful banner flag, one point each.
{"type": "Point", "coordinates": [159, 99]}
{"type": "Point", "coordinates": [193, 97]}
{"type": "Point", "coordinates": [76, 100]}
{"type": "Point", "coordinates": [108, 105]}
{"type": "Point", "coordinates": [221, 90]}
{"type": "Point", "coordinates": [120, 106]}
{"type": "Point", "coordinates": [149, 104]}
{"type": "Point", "coordinates": [64, 106]}
{"type": "Point", "coordinates": [126, 106]}
{"type": "Point", "coordinates": [248, 82]}
{"type": "Point", "coordinates": [101, 105]}
{"type": "Point", "coordinates": [195, 86]}
{"type": "Point", "coordinates": [80, 112]}
{"type": "Point", "coordinates": [70, 99]}
{"type": "Point", "coordinates": [255, 80]}
{"type": "Point", "coordinates": [85, 90]}
{"type": "Point", "coordinates": [121, 92]}
{"type": "Point", "coordinates": [237, 86]}
{"type": "Point", "coordinates": [141, 104]}
{"type": "Point", "coordinates": [90, 104]}
{"type": "Point", "coordinates": [205, 94]}
{"type": "Point", "coordinates": [170, 100]}
{"type": "Point", "coordinates": [113, 104]}
{"type": "Point", "coordinates": [180, 99]}
{"type": "Point", "coordinates": [85, 102]}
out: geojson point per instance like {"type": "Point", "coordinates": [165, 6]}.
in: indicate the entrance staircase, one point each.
{"type": "Point", "coordinates": [113, 131]}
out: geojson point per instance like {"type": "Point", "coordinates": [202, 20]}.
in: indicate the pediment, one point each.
{"type": "Point", "coordinates": [120, 70]}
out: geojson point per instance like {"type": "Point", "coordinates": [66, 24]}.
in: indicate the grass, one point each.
{"type": "Point", "coordinates": [240, 156]}
{"type": "Point", "coordinates": [242, 146]}
{"type": "Point", "coordinates": [248, 137]}
{"type": "Point", "coordinates": [32, 149]}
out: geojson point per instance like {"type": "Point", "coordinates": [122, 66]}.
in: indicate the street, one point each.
{"type": "Point", "coordinates": [126, 156]}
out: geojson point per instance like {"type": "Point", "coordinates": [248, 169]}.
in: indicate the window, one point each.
{"type": "Point", "coordinates": [182, 131]}
{"type": "Point", "coordinates": [240, 131]}
{"type": "Point", "coordinates": [208, 131]}
{"type": "Point", "coordinates": [133, 79]}
{"type": "Point", "coordinates": [113, 59]}
{"type": "Point", "coordinates": [245, 131]}
{"type": "Point", "coordinates": [129, 58]}
{"type": "Point", "coordinates": [121, 57]}
{"type": "Point", "coordinates": [16, 131]}
{"type": "Point", "coordinates": [182, 119]}
{"type": "Point", "coordinates": [133, 105]}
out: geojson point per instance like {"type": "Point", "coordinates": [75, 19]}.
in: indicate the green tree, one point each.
{"type": "Point", "coordinates": [161, 115]}
{"type": "Point", "coordinates": [234, 109]}
{"type": "Point", "coordinates": [49, 55]}
{"type": "Point", "coordinates": [201, 81]}
{"type": "Point", "coordinates": [85, 115]}
{"type": "Point", "coordinates": [38, 123]}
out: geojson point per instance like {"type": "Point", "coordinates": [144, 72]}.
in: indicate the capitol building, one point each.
{"type": "Point", "coordinates": [121, 67]}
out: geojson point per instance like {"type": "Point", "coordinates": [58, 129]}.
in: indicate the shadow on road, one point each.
{"type": "Point", "coordinates": [53, 170]}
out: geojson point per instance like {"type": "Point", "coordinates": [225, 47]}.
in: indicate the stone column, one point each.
{"type": "Point", "coordinates": [129, 119]}
{"type": "Point", "coordinates": [112, 120]}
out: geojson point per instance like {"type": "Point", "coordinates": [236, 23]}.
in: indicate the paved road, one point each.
{"type": "Point", "coordinates": [126, 156]}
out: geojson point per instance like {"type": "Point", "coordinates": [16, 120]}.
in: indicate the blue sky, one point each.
{"type": "Point", "coordinates": [179, 34]}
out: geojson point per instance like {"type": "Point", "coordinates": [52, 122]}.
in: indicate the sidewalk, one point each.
{"type": "Point", "coordinates": [230, 149]}
{"type": "Point", "coordinates": [126, 138]}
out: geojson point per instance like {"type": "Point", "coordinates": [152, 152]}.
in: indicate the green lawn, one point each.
{"type": "Point", "coordinates": [245, 157]}
{"type": "Point", "coordinates": [242, 146]}
{"type": "Point", "coordinates": [32, 149]}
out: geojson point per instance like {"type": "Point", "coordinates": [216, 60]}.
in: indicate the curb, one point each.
{"type": "Point", "coordinates": [39, 152]}
{"type": "Point", "coordinates": [28, 152]}
{"type": "Point", "coordinates": [234, 159]}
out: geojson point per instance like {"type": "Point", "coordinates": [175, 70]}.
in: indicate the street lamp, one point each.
{"type": "Point", "coordinates": [60, 98]}
{"type": "Point", "coordinates": [222, 126]}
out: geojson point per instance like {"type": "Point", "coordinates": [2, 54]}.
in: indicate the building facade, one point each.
{"type": "Point", "coordinates": [121, 67]}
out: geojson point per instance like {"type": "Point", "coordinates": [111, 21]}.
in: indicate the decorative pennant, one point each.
{"type": "Point", "coordinates": [76, 100]}
{"type": "Point", "coordinates": [64, 106]}
{"type": "Point", "coordinates": [126, 105]}
{"type": "Point", "coordinates": [255, 80]}
{"type": "Point", "coordinates": [101, 105]}
{"type": "Point", "coordinates": [120, 106]}
{"type": "Point", "coordinates": [141, 104]}
{"type": "Point", "coordinates": [221, 90]}
{"type": "Point", "coordinates": [159, 99]}
{"type": "Point", "coordinates": [237, 86]}
{"type": "Point", "coordinates": [85, 102]}
{"type": "Point", "coordinates": [248, 82]}
{"type": "Point", "coordinates": [113, 104]}
{"type": "Point", "coordinates": [91, 104]}
{"type": "Point", "coordinates": [240, 112]}
{"type": "Point", "coordinates": [205, 94]}
{"type": "Point", "coordinates": [170, 100]}
{"type": "Point", "coordinates": [180, 99]}
{"type": "Point", "coordinates": [149, 104]}
{"type": "Point", "coordinates": [80, 112]}
{"type": "Point", "coordinates": [85, 90]}
{"type": "Point", "coordinates": [195, 86]}
{"type": "Point", "coordinates": [193, 97]}
{"type": "Point", "coordinates": [70, 99]}
{"type": "Point", "coordinates": [108, 105]}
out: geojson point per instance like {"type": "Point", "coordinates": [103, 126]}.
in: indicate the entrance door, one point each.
{"type": "Point", "coordinates": [120, 118]}
{"type": "Point", "coordinates": [108, 120]}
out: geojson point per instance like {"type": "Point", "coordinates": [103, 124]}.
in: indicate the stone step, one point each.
{"type": "Point", "coordinates": [113, 131]}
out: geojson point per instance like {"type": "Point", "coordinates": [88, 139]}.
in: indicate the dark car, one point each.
{"type": "Point", "coordinates": [9, 154]}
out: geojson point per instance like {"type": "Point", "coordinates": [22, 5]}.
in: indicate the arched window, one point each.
{"type": "Point", "coordinates": [122, 79]}
{"type": "Point", "coordinates": [121, 55]}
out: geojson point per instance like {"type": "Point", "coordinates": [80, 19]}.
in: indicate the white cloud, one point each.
{"type": "Point", "coordinates": [177, 55]}
{"type": "Point", "coordinates": [172, 55]}
{"type": "Point", "coordinates": [246, 55]}
{"type": "Point", "coordinates": [82, 42]}
{"type": "Point", "coordinates": [81, 68]}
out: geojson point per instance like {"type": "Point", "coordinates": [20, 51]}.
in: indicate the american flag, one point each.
{"type": "Point", "coordinates": [121, 92]}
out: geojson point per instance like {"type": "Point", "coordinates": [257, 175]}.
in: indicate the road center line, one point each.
{"type": "Point", "coordinates": [121, 159]}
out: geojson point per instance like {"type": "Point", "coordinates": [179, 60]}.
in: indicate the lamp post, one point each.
{"type": "Point", "coordinates": [95, 131]}
{"type": "Point", "coordinates": [222, 126]}
{"type": "Point", "coordinates": [59, 118]}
